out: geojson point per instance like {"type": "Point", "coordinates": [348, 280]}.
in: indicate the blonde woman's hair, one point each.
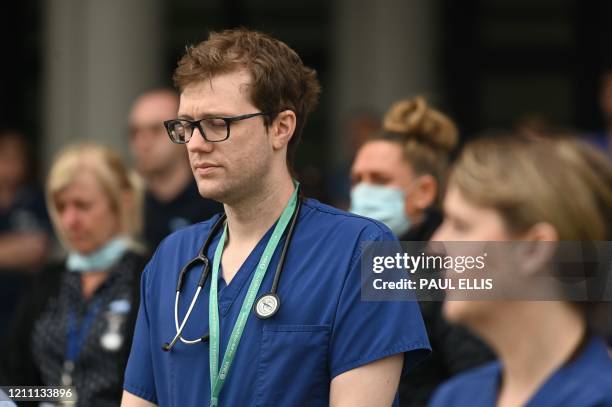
{"type": "Point", "coordinates": [560, 181]}
{"type": "Point", "coordinates": [427, 136]}
{"type": "Point", "coordinates": [122, 187]}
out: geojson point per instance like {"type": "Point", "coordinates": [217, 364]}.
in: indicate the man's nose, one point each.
{"type": "Point", "coordinates": [198, 143]}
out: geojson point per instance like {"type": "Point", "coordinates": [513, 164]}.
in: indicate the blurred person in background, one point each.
{"type": "Point", "coordinates": [536, 125]}
{"type": "Point", "coordinates": [360, 125]}
{"type": "Point", "coordinates": [75, 326]}
{"type": "Point", "coordinates": [399, 172]}
{"type": "Point", "coordinates": [535, 190]}
{"type": "Point", "coordinates": [171, 198]}
{"type": "Point", "coordinates": [397, 177]}
{"type": "Point", "coordinates": [24, 224]}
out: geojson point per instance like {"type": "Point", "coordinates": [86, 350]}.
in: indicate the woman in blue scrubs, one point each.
{"type": "Point", "coordinates": [244, 101]}
{"type": "Point", "coordinates": [530, 189]}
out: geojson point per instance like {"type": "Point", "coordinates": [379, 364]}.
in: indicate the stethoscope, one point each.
{"type": "Point", "coordinates": [266, 306]}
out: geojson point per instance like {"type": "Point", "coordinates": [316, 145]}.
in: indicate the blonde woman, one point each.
{"type": "Point", "coordinates": [530, 189]}
{"type": "Point", "coordinates": [75, 327]}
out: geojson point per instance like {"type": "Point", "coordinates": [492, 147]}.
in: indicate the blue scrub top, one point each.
{"type": "Point", "coordinates": [586, 382]}
{"type": "Point", "coordinates": [321, 330]}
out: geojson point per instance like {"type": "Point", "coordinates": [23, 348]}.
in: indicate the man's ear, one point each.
{"type": "Point", "coordinates": [283, 128]}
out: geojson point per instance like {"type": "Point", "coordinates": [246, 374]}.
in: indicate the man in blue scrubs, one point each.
{"type": "Point", "coordinates": [244, 100]}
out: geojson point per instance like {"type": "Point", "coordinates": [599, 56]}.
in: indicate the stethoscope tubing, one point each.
{"type": "Point", "coordinates": [204, 275]}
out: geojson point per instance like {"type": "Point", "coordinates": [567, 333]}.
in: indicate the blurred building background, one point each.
{"type": "Point", "coordinates": [71, 68]}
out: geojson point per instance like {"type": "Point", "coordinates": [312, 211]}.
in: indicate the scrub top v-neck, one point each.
{"type": "Point", "coordinates": [322, 328]}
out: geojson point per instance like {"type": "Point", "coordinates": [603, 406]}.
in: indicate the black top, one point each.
{"type": "Point", "coordinates": [163, 218]}
{"type": "Point", "coordinates": [424, 230]}
{"type": "Point", "coordinates": [36, 348]}
{"type": "Point", "coordinates": [454, 349]}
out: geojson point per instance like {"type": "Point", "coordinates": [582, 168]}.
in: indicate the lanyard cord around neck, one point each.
{"type": "Point", "coordinates": [218, 377]}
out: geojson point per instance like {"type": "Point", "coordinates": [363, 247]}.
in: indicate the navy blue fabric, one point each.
{"type": "Point", "coordinates": [322, 329]}
{"type": "Point", "coordinates": [600, 140]}
{"type": "Point", "coordinates": [164, 217]}
{"type": "Point", "coordinates": [584, 382]}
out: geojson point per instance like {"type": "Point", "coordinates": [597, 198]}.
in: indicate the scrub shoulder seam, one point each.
{"type": "Point", "coordinates": [336, 212]}
{"type": "Point", "coordinates": [203, 227]}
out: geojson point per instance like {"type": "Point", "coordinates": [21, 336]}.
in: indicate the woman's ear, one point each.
{"type": "Point", "coordinates": [283, 128]}
{"type": "Point", "coordinates": [541, 232]}
{"type": "Point", "coordinates": [425, 191]}
{"type": "Point", "coordinates": [537, 247]}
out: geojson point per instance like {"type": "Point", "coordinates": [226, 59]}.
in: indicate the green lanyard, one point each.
{"type": "Point", "coordinates": [217, 377]}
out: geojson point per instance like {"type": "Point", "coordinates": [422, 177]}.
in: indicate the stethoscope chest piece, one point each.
{"type": "Point", "coordinates": [266, 306]}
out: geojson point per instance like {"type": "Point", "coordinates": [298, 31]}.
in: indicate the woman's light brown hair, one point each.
{"type": "Point", "coordinates": [563, 182]}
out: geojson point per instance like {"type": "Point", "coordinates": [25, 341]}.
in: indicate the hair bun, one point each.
{"type": "Point", "coordinates": [417, 121]}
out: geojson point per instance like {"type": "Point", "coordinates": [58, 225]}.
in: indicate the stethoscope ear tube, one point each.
{"type": "Point", "coordinates": [179, 329]}
{"type": "Point", "coordinates": [179, 286]}
{"type": "Point", "coordinates": [179, 283]}
{"type": "Point", "coordinates": [201, 257]}
{"type": "Point", "coordinates": [266, 306]}
{"type": "Point", "coordinates": [204, 274]}
{"type": "Point", "coordinates": [281, 261]}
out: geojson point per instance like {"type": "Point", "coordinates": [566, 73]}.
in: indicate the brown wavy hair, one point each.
{"type": "Point", "coordinates": [280, 81]}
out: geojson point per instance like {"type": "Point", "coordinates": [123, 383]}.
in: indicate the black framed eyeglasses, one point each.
{"type": "Point", "coordinates": [213, 129]}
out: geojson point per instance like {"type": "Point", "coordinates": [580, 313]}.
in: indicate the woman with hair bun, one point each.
{"type": "Point", "coordinates": [397, 177]}
{"type": "Point", "coordinates": [398, 174]}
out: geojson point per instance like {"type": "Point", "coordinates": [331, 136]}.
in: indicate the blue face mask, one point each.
{"type": "Point", "coordinates": [385, 204]}
{"type": "Point", "coordinates": [102, 259]}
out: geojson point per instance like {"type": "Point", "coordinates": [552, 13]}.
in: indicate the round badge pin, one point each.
{"type": "Point", "coordinates": [267, 305]}
{"type": "Point", "coordinates": [111, 341]}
